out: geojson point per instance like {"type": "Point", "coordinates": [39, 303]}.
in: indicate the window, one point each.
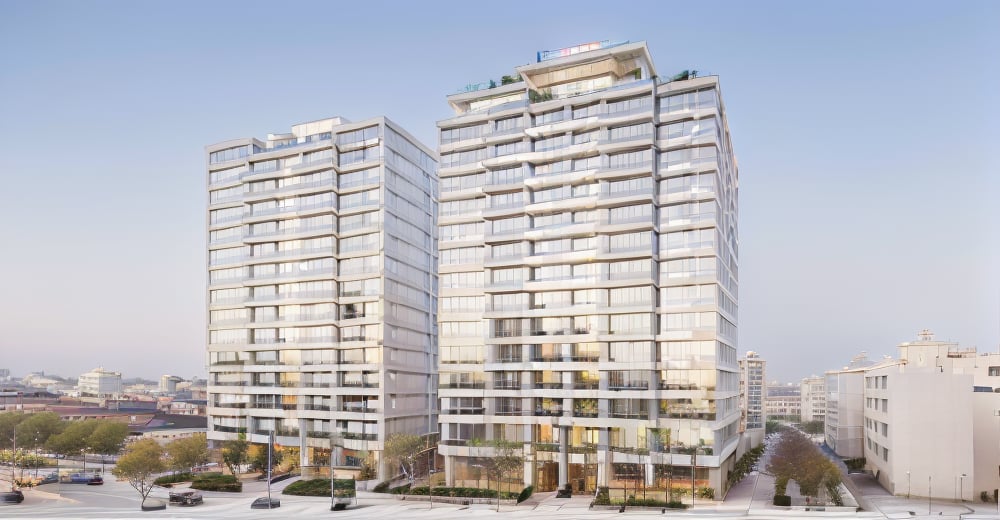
{"type": "Point", "coordinates": [549, 117]}
{"type": "Point", "coordinates": [994, 371]}
{"type": "Point", "coordinates": [229, 154]}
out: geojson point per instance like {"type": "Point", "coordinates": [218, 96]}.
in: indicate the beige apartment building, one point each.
{"type": "Point", "coordinates": [589, 265]}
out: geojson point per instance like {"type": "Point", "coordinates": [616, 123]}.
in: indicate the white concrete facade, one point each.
{"type": "Point", "coordinates": [589, 272]}
{"type": "Point", "coordinates": [844, 423]}
{"type": "Point", "coordinates": [99, 384]}
{"type": "Point", "coordinates": [753, 392]}
{"type": "Point", "coordinates": [322, 269]}
{"type": "Point", "coordinates": [813, 396]}
{"type": "Point", "coordinates": [930, 421]}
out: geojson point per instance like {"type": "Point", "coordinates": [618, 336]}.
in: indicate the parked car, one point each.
{"type": "Point", "coordinates": [11, 497]}
{"type": "Point", "coordinates": [84, 478]}
{"type": "Point", "coordinates": [186, 498]}
{"type": "Point", "coordinates": [51, 478]}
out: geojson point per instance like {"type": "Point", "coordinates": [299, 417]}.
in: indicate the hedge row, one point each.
{"type": "Point", "coordinates": [173, 479]}
{"type": "Point", "coordinates": [460, 492]}
{"type": "Point", "coordinates": [217, 482]}
{"type": "Point", "coordinates": [320, 487]}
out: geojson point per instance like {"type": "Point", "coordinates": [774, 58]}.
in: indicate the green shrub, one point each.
{"type": "Point", "coordinates": [782, 500]}
{"type": "Point", "coordinates": [706, 492]}
{"type": "Point", "coordinates": [400, 490]}
{"type": "Point", "coordinates": [319, 487]}
{"type": "Point", "coordinates": [525, 494]}
{"type": "Point", "coordinates": [602, 498]}
{"type": "Point", "coordinates": [381, 487]}
{"type": "Point", "coordinates": [676, 504]}
{"type": "Point", "coordinates": [175, 478]}
{"type": "Point", "coordinates": [217, 482]}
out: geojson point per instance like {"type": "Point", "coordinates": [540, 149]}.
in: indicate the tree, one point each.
{"type": "Point", "coordinates": [184, 454]}
{"type": "Point", "coordinates": [258, 458]}
{"type": "Point", "coordinates": [73, 439]}
{"type": "Point", "coordinates": [402, 450]}
{"type": "Point", "coordinates": [141, 461]}
{"type": "Point", "coordinates": [235, 454]}
{"type": "Point", "coordinates": [8, 424]}
{"type": "Point", "coordinates": [107, 438]}
{"type": "Point", "coordinates": [771, 426]}
{"type": "Point", "coordinates": [508, 457]}
{"type": "Point", "coordinates": [797, 458]}
{"type": "Point", "coordinates": [36, 429]}
{"type": "Point", "coordinates": [812, 427]}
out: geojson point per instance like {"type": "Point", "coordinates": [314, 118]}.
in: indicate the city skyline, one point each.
{"type": "Point", "coordinates": [866, 213]}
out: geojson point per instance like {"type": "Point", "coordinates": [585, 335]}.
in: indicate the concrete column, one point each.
{"type": "Point", "coordinates": [449, 470]}
{"type": "Point", "coordinates": [603, 458]}
{"type": "Point", "coordinates": [563, 456]}
{"type": "Point", "coordinates": [650, 475]}
{"type": "Point", "coordinates": [303, 448]}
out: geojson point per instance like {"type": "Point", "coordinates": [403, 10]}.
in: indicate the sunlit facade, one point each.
{"type": "Point", "coordinates": [589, 246]}
{"type": "Point", "coordinates": [322, 284]}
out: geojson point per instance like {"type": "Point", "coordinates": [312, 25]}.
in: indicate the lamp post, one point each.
{"type": "Point", "coordinates": [928, 494]}
{"type": "Point", "coordinates": [430, 479]}
{"type": "Point", "coordinates": [907, 484]}
{"type": "Point", "coordinates": [961, 487]}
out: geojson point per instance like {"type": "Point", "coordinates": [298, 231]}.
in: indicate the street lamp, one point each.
{"type": "Point", "coordinates": [430, 479]}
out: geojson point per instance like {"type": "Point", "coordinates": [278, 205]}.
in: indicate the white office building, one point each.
{"type": "Point", "coordinates": [322, 277]}
{"type": "Point", "coordinates": [99, 385]}
{"type": "Point", "coordinates": [843, 427]}
{"type": "Point", "coordinates": [589, 265]}
{"type": "Point", "coordinates": [930, 420]}
{"type": "Point", "coordinates": [813, 395]}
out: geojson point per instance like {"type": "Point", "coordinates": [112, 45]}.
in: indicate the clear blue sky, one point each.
{"type": "Point", "coordinates": [866, 136]}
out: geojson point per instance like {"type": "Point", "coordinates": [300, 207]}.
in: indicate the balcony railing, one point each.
{"type": "Point", "coordinates": [463, 411]}
{"type": "Point", "coordinates": [359, 436]}
{"type": "Point", "coordinates": [470, 384]}
{"type": "Point", "coordinates": [629, 385]}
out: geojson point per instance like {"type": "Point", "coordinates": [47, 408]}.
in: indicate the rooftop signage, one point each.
{"type": "Point", "coordinates": [569, 51]}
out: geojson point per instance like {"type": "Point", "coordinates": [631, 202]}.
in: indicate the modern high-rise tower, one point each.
{"type": "Point", "coordinates": [753, 392]}
{"type": "Point", "coordinates": [322, 273]}
{"type": "Point", "coordinates": [589, 246]}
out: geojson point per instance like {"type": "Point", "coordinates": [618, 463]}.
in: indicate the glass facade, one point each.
{"type": "Point", "coordinates": [593, 299]}
{"type": "Point", "coordinates": [322, 289]}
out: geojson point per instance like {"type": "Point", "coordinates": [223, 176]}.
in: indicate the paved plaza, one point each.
{"type": "Point", "coordinates": [750, 499]}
